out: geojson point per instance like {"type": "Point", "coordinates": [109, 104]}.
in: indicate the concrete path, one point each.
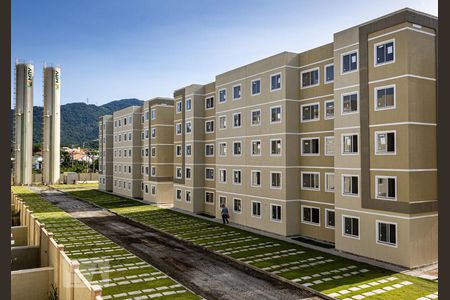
{"type": "Point", "coordinates": [204, 273]}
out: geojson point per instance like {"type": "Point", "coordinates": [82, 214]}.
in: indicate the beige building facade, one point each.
{"type": "Point", "coordinates": [336, 144]}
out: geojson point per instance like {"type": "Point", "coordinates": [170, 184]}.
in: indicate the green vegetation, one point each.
{"type": "Point", "coordinates": [102, 261]}
{"type": "Point", "coordinates": [333, 275]}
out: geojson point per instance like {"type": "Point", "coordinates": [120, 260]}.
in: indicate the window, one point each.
{"type": "Point", "coordinates": [178, 194]}
{"type": "Point", "coordinates": [237, 92]}
{"type": "Point", "coordinates": [178, 128]}
{"type": "Point", "coordinates": [256, 178]}
{"type": "Point", "coordinates": [209, 197]}
{"type": "Point", "coordinates": [256, 209]}
{"type": "Point", "coordinates": [275, 114]}
{"type": "Point", "coordinates": [187, 196]}
{"type": "Point", "coordinates": [237, 205]}
{"type": "Point", "coordinates": [222, 201]}
{"type": "Point", "coordinates": [329, 218]}
{"type": "Point", "coordinates": [275, 212]}
{"type": "Point", "coordinates": [146, 189]}
{"type": "Point", "coordinates": [146, 152]}
{"type": "Point", "coordinates": [384, 52]}
{"type": "Point", "coordinates": [146, 115]}
{"type": "Point", "coordinates": [385, 97]}
{"type": "Point", "coordinates": [209, 126]}
{"type": "Point", "coordinates": [153, 114]}
{"type": "Point", "coordinates": [178, 173]}
{"type": "Point", "coordinates": [349, 103]}
{"type": "Point", "coordinates": [222, 122]}
{"type": "Point", "coordinates": [349, 185]}
{"type": "Point", "coordinates": [188, 150]}
{"type": "Point", "coordinates": [222, 96]}
{"type": "Point", "coordinates": [223, 149]}
{"type": "Point", "coordinates": [310, 181]}
{"type": "Point", "coordinates": [124, 121]}
{"type": "Point", "coordinates": [311, 215]}
{"type": "Point", "coordinates": [386, 187]}
{"type": "Point", "coordinates": [329, 73]}
{"type": "Point", "coordinates": [188, 105]}
{"type": "Point", "coordinates": [178, 109]}
{"type": "Point", "coordinates": [329, 109]}
{"type": "Point", "coordinates": [329, 182]}
{"type": "Point", "coordinates": [310, 78]}
{"type": "Point", "coordinates": [237, 148]}
{"type": "Point", "coordinates": [310, 112]}
{"type": "Point", "coordinates": [120, 123]}
{"type": "Point", "coordinates": [209, 173]}
{"type": "Point", "coordinates": [329, 145]}
{"type": "Point", "coordinates": [256, 148]}
{"type": "Point", "coordinates": [209, 103]}
{"type": "Point", "coordinates": [385, 142]}
{"type": "Point", "coordinates": [349, 62]}
{"type": "Point", "coordinates": [188, 173]}
{"type": "Point", "coordinates": [310, 146]}
{"type": "Point", "coordinates": [188, 127]}
{"type": "Point", "coordinates": [153, 151]}
{"type": "Point", "coordinates": [350, 226]}
{"type": "Point", "coordinates": [153, 190]}
{"type": "Point", "coordinates": [129, 136]}
{"type": "Point", "coordinates": [237, 176]}
{"type": "Point", "coordinates": [153, 171]}
{"type": "Point", "coordinates": [142, 119]}
{"type": "Point", "coordinates": [237, 120]}
{"type": "Point", "coordinates": [275, 82]}
{"type": "Point", "coordinates": [223, 175]}
{"type": "Point", "coordinates": [256, 87]}
{"type": "Point", "coordinates": [154, 132]}
{"type": "Point", "coordinates": [275, 180]}
{"type": "Point", "coordinates": [256, 117]}
{"type": "Point", "coordinates": [275, 147]}
{"type": "Point", "coordinates": [349, 143]}
{"type": "Point", "coordinates": [386, 233]}
{"type": "Point", "coordinates": [209, 150]}
{"type": "Point", "coordinates": [178, 150]}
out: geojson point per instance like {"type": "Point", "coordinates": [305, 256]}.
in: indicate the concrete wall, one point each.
{"type": "Point", "coordinates": [31, 284]}
{"type": "Point", "coordinates": [20, 235]}
{"type": "Point", "coordinates": [25, 257]}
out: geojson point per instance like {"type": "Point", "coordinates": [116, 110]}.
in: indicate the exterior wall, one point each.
{"type": "Point", "coordinates": [105, 143]}
{"type": "Point", "coordinates": [413, 210]}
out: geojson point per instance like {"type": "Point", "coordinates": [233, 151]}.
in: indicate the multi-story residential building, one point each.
{"type": "Point", "coordinates": [105, 150]}
{"type": "Point", "coordinates": [337, 143]}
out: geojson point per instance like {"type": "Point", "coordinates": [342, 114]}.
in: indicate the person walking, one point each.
{"type": "Point", "coordinates": [225, 215]}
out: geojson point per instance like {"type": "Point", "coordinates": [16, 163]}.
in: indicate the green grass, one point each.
{"type": "Point", "coordinates": [218, 237]}
{"type": "Point", "coordinates": [78, 240]}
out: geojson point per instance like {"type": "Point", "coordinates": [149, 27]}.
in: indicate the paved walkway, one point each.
{"type": "Point", "coordinates": [202, 272]}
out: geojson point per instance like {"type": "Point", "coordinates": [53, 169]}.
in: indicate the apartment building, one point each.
{"type": "Point", "coordinates": [105, 150]}
{"type": "Point", "coordinates": [337, 143]}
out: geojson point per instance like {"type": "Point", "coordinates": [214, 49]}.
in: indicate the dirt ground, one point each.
{"type": "Point", "coordinates": [206, 274]}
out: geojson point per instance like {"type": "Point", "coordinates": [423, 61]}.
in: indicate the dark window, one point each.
{"type": "Point", "coordinates": [385, 98]}
{"type": "Point", "coordinates": [387, 233]}
{"type": "Point", "coordinates": [310, 78]}
{"type": "Point", "coordinates": [385, 53]}
{"type": "Point", "coordinates": [351, 226]}
{"type": "Point", "coordinates": [349, 62]}
{"type": "Point", "coordinates": [329, 73]}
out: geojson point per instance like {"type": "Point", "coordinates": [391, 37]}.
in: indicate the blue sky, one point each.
{"type": "Point", "coordinates": [112, 49]}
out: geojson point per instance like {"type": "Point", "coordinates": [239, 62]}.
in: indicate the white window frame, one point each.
{"type": "Point", "coordinates": [240, 154]}
{"type": "Point", "coordinates": [209, 203]}
{"type": "Point", "coordinates": [151, 190]}
{"type": "Point", "coordinates": [309, 222]}
{"type": "Point", "coordinates": [376, 187]}
{"type": "Point", "coordinates": [218, 120]}
{"type": "Point", "coordinates": [281, 82]}
{"type": "Point", "coordinates": [176, 194]}
{"type": "Point", "coordinates": [342, 104]}
{"type": "Point", "coordinates": [185, 173]}
{"type": "Point", "coordinates": [375, 92]}
{"type": "Point", "coordinates": [281, 180]}
{"type": "Point", "coordinates": [220, 177]}
{"type": "Point", "coordinates": [342, 144]}
{"type": "Point", "coordinates": [179, 146]}
{"type": "Point", "coordinates": [153, 171]}
{"type": "Point", "coordinates": [281, 147]}
{"type": "Point", "coordinates": [153, 136]}
{"type": "Point", "coordinates": [237, 113]}
{"type": "Point", "coordinates": [325, 138]}
{"type": "Point", "coordinates": [219, 198]}
{"type": "Point", "coordinates": [206, 101]}
{"type": "Point", "coordinates": [209, 179]}
{"type": "Point", "coordinates": [218, 96]}
{"type": "Point", "coordinates": [326, 182]}
{"type": "Point", "coordinates": [176, 107]}
{"type": "Point", "coordinates": [376, 142]}
{"type": "Point", "coordinates": [185, 106]}
{"type": "Point", "coordinates": [153, 114]}
{"type": "Point", "coordinates": [307, 71]}
{"type": "Point", "coordinates": [237, 170]}
{"type": "Point", "coordinates": [209, 132]}
{"type": "Point", "coordinates": [342, 62]}
{"type": "Point", "coordinates": [209, 155]}
{"type": "Point", "coordinates": [187, 154]}
{"type": "Point", "coordinates": [343, 227]}
{"type": "Point", "coordinates": [226, 149]}
{"type": "Point", "coordinates": [240, 91]}
{"type": "Point", "coordinates": [186, 127]}
{"type": "Point", "coordinates": [325, 109]}
{"type": "Point", "coordinates": [301, 112]}
{"type": "Point", "coordinates": [302, 173]}
{"type": "Point", "coordinates": [281, 114]}
{"type": "Point", "coordinates": [260, 209]}
{"type": "Point", "coordinates": [375, 53]}
{"type": "Point", "coordinates": [185, 196]}
{"type": "Point", "coordinates": [151, 152]}
{"type": "Point", "coordinates": [251, 86]}
{"type": "Point", "coordinates": [234, 211]}
{"type": "Point", "coordinates": [176, 128]}
{"type": "Point", "coordinates": [377, 234]}
{"type": "Point", "coordinates": [325, 81]}
{"type": "Point", "coordinates": [326, 218]}
{"type": "Point", "coordinates": [176, 172]}
{"type": "Point", "coordinates": [342, 185]}
{"type": "Point", "coordinates": [309, 138]}
{"type": "Point", "coordinates": [251, 117]}
{"type": "Point", "coordinates": [251, 183]}
{"type": "Point", "coordinates": [251, 147]}
{"type": "Point", "coordinates": [281, 213]}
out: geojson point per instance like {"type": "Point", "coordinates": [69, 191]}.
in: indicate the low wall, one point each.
{"type": "Point", "coordinates": [31, 284]}
{"type": "Point", "coordinates": [20, 235]}
{"type": "Point", "coordinates": [25, 257]}
{"type": "Point", "coordinates": [65, 273]}
{"type": "Point", "coordinates": [37, 178]}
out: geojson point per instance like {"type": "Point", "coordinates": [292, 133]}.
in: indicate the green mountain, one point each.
{"type": "Point", "coordinates": [79, 121]}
